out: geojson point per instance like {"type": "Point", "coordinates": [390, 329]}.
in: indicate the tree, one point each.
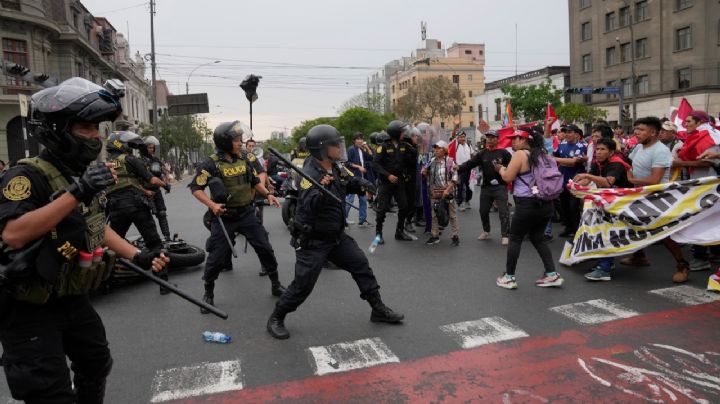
{"type": "Point", "coordinates": [434, 97]}
{"type": "Point", "coordinates": [279, 145]}
{"type": "Point", "coordinates": [530, 102]}
{"type": "Point", "coordinates": [359, 120]}
{"type": "Point", "coordinates": [302, 129]}
{"type": "Point", "coordinates": [183, 134]}
{"type": "Point", "coordinates": [373, 101]}
{"type": "Point", "coordinates": [579, 113]}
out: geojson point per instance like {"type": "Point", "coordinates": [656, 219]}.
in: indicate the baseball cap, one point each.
{"type": "Point", "coordinates": [667, 125]}
{"type": "Point", "coordinates": [441, 143]}
{"type": "Point", "coordinates": [573, 128]}
{"type": "Point", "coordinates": [520, 133]}
{"type": "Point", "coordinates": [492, 133]}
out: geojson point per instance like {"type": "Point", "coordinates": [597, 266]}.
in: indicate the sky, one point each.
{"type": "Point", "coordinates": [314, 55]}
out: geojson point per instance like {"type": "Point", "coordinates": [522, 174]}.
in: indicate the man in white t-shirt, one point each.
{"type": "Point", "coordinates": [651, 161]}
{"type": "Point", "coordinates": [463, 153]}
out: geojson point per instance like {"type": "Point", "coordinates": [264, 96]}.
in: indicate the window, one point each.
{"type": "Point", "coordinates": [683, 4]}
{"type": "Point", "coordinates": [498, 114]}
{"type": "Point", "coordinates": [610, 58]}
{"type": "Point", "coordinates": [15, 51]}
{"type": "Point", "coordinates": [392, 90]}
{"type": "Point", "coordinates": [587, 98]}
{"type": "Point", "coordinates": [610, 21]}
{"type": "Point", "coordinates": [11, 4]}
{"type": "Point", "coordinates": [683, 78]}
{"type": "Point", "coordinates": [472, 124]}
{"type": "Point", "coordinates": [587, 63]}
{"type": "Point", "coordinates": [480, 110]}
{"type": "Point", "coordinates": [468, 52]}
{"type": "Point", "coordinates": [584, 3]}
{"type": "Point", "coordinates": [643, 84]}
{"type": "Point", "coordinates": [456, 79]}
{"type": "Point", "coordinates": [641, 11]}
{"type": "Point", "coordinates": [470, 93]}
{"type": "Point", "coordinates": [585, 33]}
{"type": "Point", "coordinates": [469, 77]}
{"type": "Point", "coordinates": [413, 79]}
{"type": "Point", "coordinates": [79, 69]}
{"type": "Point", "coordinates": [627, 88]}
{"type": "Point", "coordinates": [610, 84]}
{"type": "Point", "coordinates": [624, 16]}
{"type": "Point", "coordinates": [471, 108]}
{"type": "Point", "coordinates": [683, 39]}
{"type": "Point", "coordinates": [641, 48]}
{"type": "Point", "coordinates": [442, 125]}
{"type": "Point", "coordinates": [480, 52]}
{"type": "Point", "coordinates": [625, 52]}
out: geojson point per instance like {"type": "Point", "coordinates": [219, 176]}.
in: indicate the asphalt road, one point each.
{"type": "Point", "coordinates": [159, 353]}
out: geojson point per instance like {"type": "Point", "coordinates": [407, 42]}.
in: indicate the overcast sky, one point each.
{"type": "Point", "coordinates": [315, 54]}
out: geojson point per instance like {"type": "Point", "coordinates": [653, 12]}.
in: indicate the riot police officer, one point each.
{"type": "Point", "coordinates": [52, 222]}
{"type": "Point", "coordinates": [155, 166]}
{"type": "Point", "coordinates": [234, 169]}
{"type": "Point", "coordinates": [319, 233]}
{"type": "Point", "coordinates": [392, 162]}
{"type": "Point", "coordinates": [128, 201]}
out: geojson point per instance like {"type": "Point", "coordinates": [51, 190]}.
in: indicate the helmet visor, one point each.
{"type": "Point", "coordinates": [60, 97]}
{"type": "Point", "coordinates": [240, 129]}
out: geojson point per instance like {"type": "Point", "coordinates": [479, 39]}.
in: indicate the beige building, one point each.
{"type": "Point", "coordinates": [672, 45]}
{"type": "Point", "coordinates": [463, 64]}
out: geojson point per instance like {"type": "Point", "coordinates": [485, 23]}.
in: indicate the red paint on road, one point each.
{"type": "Point", "coordinates": [635, 359]}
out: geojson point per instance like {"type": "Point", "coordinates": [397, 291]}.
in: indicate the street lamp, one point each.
{"type": "Point", "coordinates": [187, 83]}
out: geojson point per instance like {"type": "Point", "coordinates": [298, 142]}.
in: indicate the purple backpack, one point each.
{"type": "Point", "coordinates": [547, 183]}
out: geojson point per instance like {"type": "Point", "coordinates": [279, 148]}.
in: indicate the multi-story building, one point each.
{"type": "Point", "coordinates": [491, 103]}
{"type": "Point", "coordinates": [462, 64]}
{"type": "Point", "coordinates": [61, 39]}
{"type": "Point", "coordinates": [137, 103]}
{"type": "Point", "coordinates": [672, 47]}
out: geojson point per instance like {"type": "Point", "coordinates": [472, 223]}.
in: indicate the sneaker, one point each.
{"type": "Point", "coordinates": [349, 222]}
{"type": "Point", "coordinates": [455, 241]}
{"type": "Point", "coordinates": [698, 264]}
{"type": "Point", "coordinates": [598, 274]}
{"type": "Point", "coordinates": [402, 236]}
{"type": "Point", "coordinates": [714, 283]}
{"type": "Point", "coordinates": [550, 279]}
{"type": "Point", "coordinates": [364, 224]}
{"type": "Point", "coordinates": [484, 236]}
{"type": "Point", "coordinates": [506, 281]}
{"type": "Point", "coordinates": [432, 240]}
{"type": "Point", "coordinates": [504, 241]}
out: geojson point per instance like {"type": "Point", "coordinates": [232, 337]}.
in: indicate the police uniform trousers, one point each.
{"type": "Point", "coordinates": [386, 191]}
{"type": "Point", "coordinates": [343, 252]}
{"type": "Point", "coordinates": [243, 221]}
{"type": "Point", "coordinates": [36, 340]}
{"type": "Point", "coordinates": [141, 216]}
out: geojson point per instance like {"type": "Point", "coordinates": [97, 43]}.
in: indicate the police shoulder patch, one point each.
{"type": "Point", "coordinates": [251, 157]}
{"type": "Point", "coordinates": [305, 184]}
{"type": "Point", "coordinates": [202, 178]}
{"type": "Point", "coordinates": [17, 189]}
{"type": "Point", "coordinates": [379, 149]}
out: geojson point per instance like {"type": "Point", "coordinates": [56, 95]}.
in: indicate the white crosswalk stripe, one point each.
{"type": "Point", "coordinates": [687, 295]}
{"type": "Point", "coordinates": [353, 355]}
{"type": "Point", "coordinates": [471, 334]}
{"type": "Point", "coordinates": [594, 311]}
{"type": "Point", "coordinates": [197, 380]}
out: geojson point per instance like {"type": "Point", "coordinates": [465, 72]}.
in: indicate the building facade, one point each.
{"type": "Point", "coordinates": [60, 39]}
{"type": "Point", "coordinates": [462, 64]}
{"type": "Point", "coordinates": [671, 47]}
{"type": "Point", "coordinates": [491, 104]}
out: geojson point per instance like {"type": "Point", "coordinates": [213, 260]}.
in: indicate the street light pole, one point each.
{"type": "Point", "coordinates": [187, 83]}
{"type": "Point", "coordinates": [633, 78]}
{"type": "Point", "coordinates": [155, 122]}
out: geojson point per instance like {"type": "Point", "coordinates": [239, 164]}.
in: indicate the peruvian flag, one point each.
{"type": "Point", "coordinates": [503, 140]}
{"type": "Point", "coordinates": [678, 115]}
{"type": "Point", "coordinates": [550, 113]}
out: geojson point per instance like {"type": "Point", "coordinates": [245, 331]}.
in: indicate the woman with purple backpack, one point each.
{"type": "Point", "coordinates": [536, 181]}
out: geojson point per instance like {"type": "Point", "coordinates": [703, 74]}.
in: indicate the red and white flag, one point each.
{"type": "Point", "coordinates": [678, 115]}
{"type": "Point", "coordinates": [550, 113]}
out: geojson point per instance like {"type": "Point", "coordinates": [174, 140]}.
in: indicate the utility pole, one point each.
{"type": "Point", "coordinates": [156, 120]}
{"type": "Point", "coordinates": [633, 79]}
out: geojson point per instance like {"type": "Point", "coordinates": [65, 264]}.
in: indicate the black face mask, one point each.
{"type": "Point", "coordinates": [88, 149]}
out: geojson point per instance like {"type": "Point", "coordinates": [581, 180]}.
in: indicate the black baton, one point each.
{"type": "Point", "coordinates": [227, 236]}
{"type": "Point", "coordinates": [309, 178]}
{"type": "Point", "coordinates": [167, 285]}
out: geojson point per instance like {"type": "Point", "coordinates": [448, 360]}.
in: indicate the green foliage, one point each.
{"type": "Point", "coordinates": [434, 97]}
{"type": "Point", "coordinates": [530, 102]}
{"type": "Point", "coordinates": [359, 120]}
{"type": "Point", "coordinates": [186, 134]}
{"type": "Point", "coordinates": [302, 129]}
{"type": "Point", "coordinates": [580, 113]}
{"type": "Point", "coordinates": [279, 145]}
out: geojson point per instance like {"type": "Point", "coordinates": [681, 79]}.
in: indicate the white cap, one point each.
{"type": "Point", "coordinates": [441, 143]}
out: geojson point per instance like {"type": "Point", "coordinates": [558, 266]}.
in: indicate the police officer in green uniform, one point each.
{"type": "Point", "coordinates": [234, 169]}
{"type": "Point", "coordinates": [155, 166]}
{"type": "Point", "coordinates": [52, 224]}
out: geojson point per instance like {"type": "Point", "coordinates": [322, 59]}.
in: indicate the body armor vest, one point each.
{"type": "Point", "coordinates": [124, 178]}
{"type": "Point", "coordinates": [83, 230]}
{"type": "Point", "coordinates": [236, 177]}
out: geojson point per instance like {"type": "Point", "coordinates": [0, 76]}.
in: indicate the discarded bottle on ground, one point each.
{"type": "Point", "coordinates": [216, 337]}
{"type": "Point", "coordinates": [374, 244]}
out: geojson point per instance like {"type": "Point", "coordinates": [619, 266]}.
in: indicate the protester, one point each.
{"type": "Point", "coordinates": [442, 179]}
{"type": "Point", "coordinates": [571, 156]}
{"type": "Point", "coordinates": [668, 137]}
{"type": "Point", "coordinates": [463, 153]}
{"type": "Point", "coordinates": [531, 213]}
{"type": "Point", "coordinates": [359, 161]}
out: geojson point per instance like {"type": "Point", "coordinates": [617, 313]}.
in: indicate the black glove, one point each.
{"type": "Point", "coordinates": [95, 179]}
{"type": "Point", "coordinates": [144, 258]}
{"type": "Point", "coordinates": [368, 186]}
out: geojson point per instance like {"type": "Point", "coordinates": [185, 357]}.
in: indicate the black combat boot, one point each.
{"type": "Point", "coordinates": [276, 325]}
{"type": "Point", "coordinates": [164, 226]}
{"type": "Point", "coordinates": [276, 288]}
{"type": "Point", "coordinates": [209, 296]}
{"type": "Point", "coordinates": [409, 227]}
{"type": "Point", "coordinates": [381, 313]}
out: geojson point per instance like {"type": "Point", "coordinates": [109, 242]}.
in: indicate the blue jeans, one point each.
{"type": "Point", "coordinates": [605, 264]}
{"type": "Point", "coordinates": [350, 198]}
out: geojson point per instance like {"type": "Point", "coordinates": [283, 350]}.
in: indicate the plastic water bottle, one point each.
{"type": "Point", "coordinates": [374, 244]}
{"type": "Point", "coordinates": [218, 337]}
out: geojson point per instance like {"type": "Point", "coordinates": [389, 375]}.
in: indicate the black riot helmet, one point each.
{"type": "Point", "coordinates": [123, 142]}
{"type": "Point", "coordinates": [302, 145]}
{"type": "Point", "coordinates": [383, 137]}
{"type": "Point", "coordinates": [320, 137]}
{"type": "Point", "coordinates": [226, 132]}
{"type": "Point", "coordinates": [396, 129]}
{"type": "Point", "coordinates": [76, 100]}
{"type": "Point", "coordinates": [373, 138]}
